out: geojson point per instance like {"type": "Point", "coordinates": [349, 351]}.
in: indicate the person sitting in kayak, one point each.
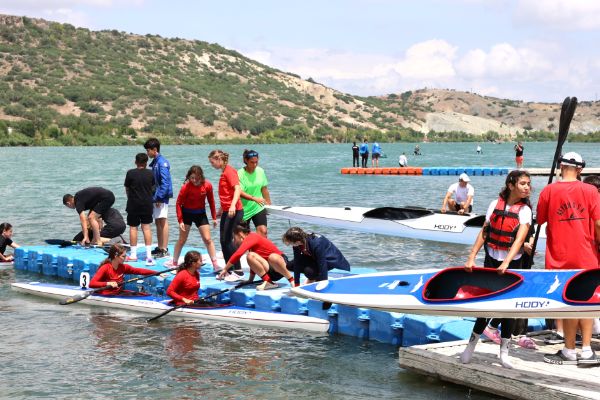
{"type": "Point", "coordinates": [314, 255]}
{"type": "Point", "coordinates": [6, 231]}
{"type": "Point", "coordinates": [417, 151]}
{"type": "Point", "coordinates": [184, 287]}
{"type": "Point", "coordinates": [112, 270]}
{"type": "Point", "coordinates": [463, 194]}
{"type": "Point", "coordinates": [503, 234]}
{"type": "Point", "coordinates": [264, 258]}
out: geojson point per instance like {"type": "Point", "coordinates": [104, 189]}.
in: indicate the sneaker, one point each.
{"type": "Point", "coordinates": [494, 335]}
{"type": "Point", "coordinates": [155, 251]}
{"type": "Point", "coordinates": [233, 277]}
{"type": "Point", "coordinates": [163, 254]}
{"type": "Point", "coordinates": [578, 340]}
{"type": "Point", "coordinates": [559, 359]}
{"type": "Point", "coordinates": [266, 286]}
{"type": "Point", "coordinates": [593, 359]}
{"type": "Point", "coordinates": [217, 269]}
{"type": "Point", "coordinates": [131, 258]}
{"type": "Point", "coordinates": [555, 338]}
{"type": "Point", "coordinates": [170, 264]}
{"type": "Point", "coordinates": [150, 262]}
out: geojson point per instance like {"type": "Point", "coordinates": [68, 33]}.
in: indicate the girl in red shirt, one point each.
{"type": "Point", "coordinates": [191, 209]}
{"type": "Point", "coordinates": [112, 270]}
{"type": "Point", "coordinates": [184, 288]}
{"type": "Point", "coordinates": [231, 211]}
{"type": "Point", "coordinates": [264, 258]}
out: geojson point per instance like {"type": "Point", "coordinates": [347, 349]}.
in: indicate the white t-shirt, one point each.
{"type": "Point", "coordinates": [525, 217]}
{"type": "Point", "coordinates": [478, 148]}
{"type": "Point", "coordinates": [461, 193]}
{"type": "Point", "coordinates": [402, 160]}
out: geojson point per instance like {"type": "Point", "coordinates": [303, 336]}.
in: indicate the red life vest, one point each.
{"type": "Point", "coordinates": [504, 225]}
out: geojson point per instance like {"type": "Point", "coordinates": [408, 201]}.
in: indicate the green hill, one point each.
{"type": "Point", "coordinates": [75, 86]}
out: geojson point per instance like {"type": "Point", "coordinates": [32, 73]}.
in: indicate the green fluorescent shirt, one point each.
{"type": "Point", "coordinates": [252, 184]}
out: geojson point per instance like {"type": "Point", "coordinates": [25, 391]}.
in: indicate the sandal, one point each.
{"type": "Point", "coordinates": [492, 334]}
{"type": "Point", "coordinates": [526, 343]}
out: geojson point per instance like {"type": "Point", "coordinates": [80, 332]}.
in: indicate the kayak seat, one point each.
{"type": "Point", "coordinates": [596, 296]}
{"type": "Point", "coordinates": [468, 292]}
{"type": "Point", "coordinates": [395, 214]}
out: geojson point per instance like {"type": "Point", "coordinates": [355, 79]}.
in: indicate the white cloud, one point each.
{"type": "Point", "coordinates": [57, 4]}
{"type": "Point", "coordinates": [431, 59]}
{"type": "Point", "coordinates": [564, 15]}
{"type": "Point", "coordinates": [66, 15]}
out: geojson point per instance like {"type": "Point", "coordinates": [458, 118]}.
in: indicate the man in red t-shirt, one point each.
{"type": "Point", "coordinates": [572, 210]}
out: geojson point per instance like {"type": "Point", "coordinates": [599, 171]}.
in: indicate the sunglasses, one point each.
{"type": "Point", "coordinates": [249, 155]}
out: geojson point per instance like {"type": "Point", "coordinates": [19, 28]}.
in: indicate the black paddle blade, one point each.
{"type": "Point", "coordinates": [60, 242]}
{"type": "Point", "coordinates": [75, 299]}
{"type": "Point", "coordinates": [326, 306]}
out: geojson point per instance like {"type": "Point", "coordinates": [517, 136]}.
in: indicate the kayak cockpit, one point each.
{"type": "Point", "coordinates": [583, 287]}
{"type": "Point", "coordinates": [397, 214]}
{"type": "Point", "coordinates": [456, 284]}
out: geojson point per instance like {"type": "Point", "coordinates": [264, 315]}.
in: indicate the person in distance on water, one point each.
{"type": "Point", "coordinates": [6, 231]}
{"type": "Point", "coordinates": [96, 199]}
{"type": "Point", "coordinates": [571, 210]}
{"type": "Point", "coordinates": [503, 234]}
{"type": "Point", "coordinates": [364, 153]}
{"type": "Point", "coordinates": [112, 270]}
{"type": "Point", "coordinates": [417, 152]}
{"type": "Point", "coordinates": [519, 154]}
{"type": "Point", "coordinates": [463, 194]}
{"type": "Point", "coordinates": [314, 255]}
{"type": "Point", "coordinates": [255, 193]}
{"type": "Point", "coordinates": [184, 287]}
{"type": "Point", "coordinates": [264, 258]}
{"type": "Point", "coordinates": [355, 153]}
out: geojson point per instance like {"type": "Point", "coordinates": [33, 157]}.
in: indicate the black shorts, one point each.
{"type": "Point", "coordinates": [274, 275]}
{"type": "Point", "coordinates": [259, 219]}
{"type": "Point", "coordinates": [137, 219]}
{"type": "Point", "coordinates": [375, 156]}
{"type": "Point", "coordinates": [104, 204]}
{"type": "Point", "coordinates": [469, 210]}
{"type": "Point", "coordinates": [199, 219]}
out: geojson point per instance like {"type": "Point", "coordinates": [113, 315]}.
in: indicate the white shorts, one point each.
{"type": "Point", "coordinates": [162, 211]}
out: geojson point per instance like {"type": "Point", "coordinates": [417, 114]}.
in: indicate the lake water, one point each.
{"type": "Point", "coordinates": [48, 351]}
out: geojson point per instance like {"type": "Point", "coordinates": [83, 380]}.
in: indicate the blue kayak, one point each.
{"type": "Point", "coordinates": [455, 292]}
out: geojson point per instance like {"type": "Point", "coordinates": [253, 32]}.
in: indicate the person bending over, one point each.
{"type": "Point", "coordinates": [96, 199]}
{"type": "Point", "coordinates": [112, 225]}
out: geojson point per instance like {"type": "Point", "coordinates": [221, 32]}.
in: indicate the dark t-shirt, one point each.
{"type": "Point", "coordinates": [3, 243]}
{"type": "Point", "coordinates": [87, 199]}
{"type": "Point", "coordinates": [519, 152]}
{"type": "Point", "coordinates": [140, 182]}
{"type": "Point", "coordinates": [113, 217]}
{"type": "Point", "coordinates": [355, 150]}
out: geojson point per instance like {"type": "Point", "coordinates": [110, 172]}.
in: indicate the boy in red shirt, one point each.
{"type": "Point", "coordinates": [572, 210]}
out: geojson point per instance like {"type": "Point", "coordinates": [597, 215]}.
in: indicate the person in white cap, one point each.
{"type": "Point", "coordinates": [463, 196]}
{"type": "Point", "coordinates": [571, 209]}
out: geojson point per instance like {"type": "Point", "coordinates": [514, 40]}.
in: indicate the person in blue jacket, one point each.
{"type": "Point", "coordinates": [364, 153]}
{"type": "Point", "coordinates": [314, 255]}
{"type": "Point", "coordinates": [163, 192]}
{"type": "Point", "coordinates": [375, 153]}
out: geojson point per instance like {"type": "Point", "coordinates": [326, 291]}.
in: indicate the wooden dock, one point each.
{"type": "Point", "coordinates": [531, 377]}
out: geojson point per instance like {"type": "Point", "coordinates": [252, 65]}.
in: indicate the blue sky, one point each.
{"type": "Point", "coordinates": [528, 50]}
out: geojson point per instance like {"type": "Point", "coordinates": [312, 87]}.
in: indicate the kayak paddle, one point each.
{"type": "Point", "coordinates": [66, 243]}
{"type": "Point", "coordinates": [202, 299]}
{"type": "Point", "coordinates": [566, 115]}
{"type": "Point", "coordinates": [87, 294]}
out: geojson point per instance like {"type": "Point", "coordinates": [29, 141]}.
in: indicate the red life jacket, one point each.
{"type": "Point", "coordinates": [504, 225]}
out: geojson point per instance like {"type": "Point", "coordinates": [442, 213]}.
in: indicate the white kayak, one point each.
{"type": "Point", "coordinates": [410, 222]}
{"type": "Point", "coordinates": [156, 305]}
{"type": "Point", "coordinates": [7, 264]}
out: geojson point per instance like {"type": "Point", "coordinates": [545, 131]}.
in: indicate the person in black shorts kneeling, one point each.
{"type": "Point", "coordinates": [96, 199]}
{"type": "Point", "coordinates": [112, 225]}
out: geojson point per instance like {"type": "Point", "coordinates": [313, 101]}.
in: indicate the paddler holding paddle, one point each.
{"type": "Point", "coordinates": [184, 288]}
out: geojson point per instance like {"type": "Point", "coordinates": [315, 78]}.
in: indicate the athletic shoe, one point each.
{"type": "Point", "coordinates": [170, 264]}
{"type": "Point", "coordinates": [162, 254]}
{"type": "Point", "coordinates": [150, 262]}
{"type": "Point", "coordinates": [155, 251]}
{"type": "Point", "coordinates": [494, 335]}
{"type": "Point", "coordinates": [233, 277]}
{"type": "Point", "coordinates": [578, 340]}
{"type": "Point", "coordinates": [266, 286]}
{"type": "Point", "coordinates": [131, 259]}
{"type": "Point", "coordinates": [554, 338]}
{"type": "Point", "coordinates": [559, 359]}
{"type": "Point", "coordinates": [217, 269]}
{"type": "Point", "coordinates": [593, 359]}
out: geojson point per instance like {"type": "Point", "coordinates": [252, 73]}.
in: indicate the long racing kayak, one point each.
{"type": "Point", "coordinates": [455, 292]}
{"type": "Point", "coordinates": [410, 222]}
{"type": "Point", "coordinates": [156, 305]}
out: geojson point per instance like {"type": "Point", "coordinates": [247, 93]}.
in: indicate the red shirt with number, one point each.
{"type": "Point", "coordinates": [570, 209]}
{"type": "Point", "coordinates": [258, 244]}
{"type": "Point", "coordinates": [194, 197]}
{"type": "Point", "coordinates": [229, 179]}
{"type": "Point", "coordinates": [107, 273]}
{"type": "Point", "coordinates": [184, 285]}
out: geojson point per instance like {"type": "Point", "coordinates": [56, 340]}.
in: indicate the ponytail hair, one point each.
{"type": "Point", "coordinates": [220, 154]}
{"type": "Point", "coordinates": [115, 249]}
{"type": "Point", "coordinates": [295, 234]}
{"type": "Point", "coordinates": [5, 226]}
{"type": "Point", "coordinates": [512, 178]}
{"type": "Point", "coordinates": [190, 257]}
{"type": "Point", "coordinates": [195, 169]}
{"type": "Point", "coordinates": [243, 227]}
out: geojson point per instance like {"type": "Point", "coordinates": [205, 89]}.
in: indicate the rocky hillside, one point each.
{"type": "Point", "coordinates": [57, 80]}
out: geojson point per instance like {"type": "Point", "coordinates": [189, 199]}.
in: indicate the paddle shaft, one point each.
{"type": "Point", "coordinates": [200, 300]}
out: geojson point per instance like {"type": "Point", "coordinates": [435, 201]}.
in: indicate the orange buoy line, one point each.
{"type": "Point", "coordinates": [383, 171]}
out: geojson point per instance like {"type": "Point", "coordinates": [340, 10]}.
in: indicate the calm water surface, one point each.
{"type": "Point", "coordinates": [47, 351]}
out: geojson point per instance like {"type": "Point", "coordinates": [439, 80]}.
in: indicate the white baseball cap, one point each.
{"type": "Point", "coordinates": [464, 177]}
{"type": "Point", "coordinates": [576, 159]}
